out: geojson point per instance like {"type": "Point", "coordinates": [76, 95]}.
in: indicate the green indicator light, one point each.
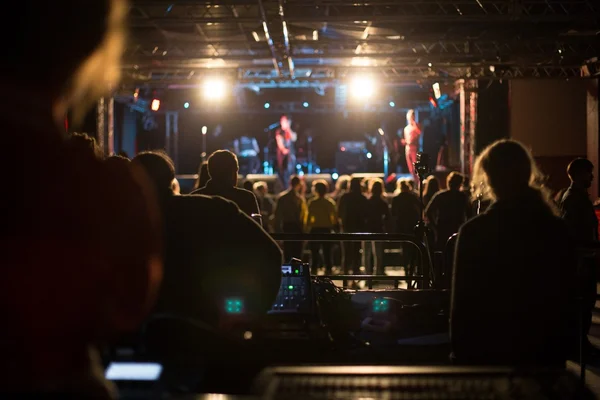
{"type": "Point", "coordinates": [381, 305]}
{"type": "Point", "coordinates": [290, 287]}
{"type": "Point", "coordinates": [297, 271]}
{"type": "Point", "coordinates": [234, 306]}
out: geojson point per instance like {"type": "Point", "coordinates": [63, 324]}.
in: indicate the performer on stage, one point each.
{"type": "Point", "coordinates": [412, 134]}
{"type": "Point", "coordinates": [286, 153]}
{"type": "Point", "coordinates": [247, 150]}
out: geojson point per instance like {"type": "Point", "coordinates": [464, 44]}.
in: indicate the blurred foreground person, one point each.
{"type": "Point", "coordinates": [578, 212]}
{"type": "Point", "coordinates": [512, 287]}
{"type": "Point", "coordinates": [214, 251]}
{"type": "Point", "coordinates": [80, 254]}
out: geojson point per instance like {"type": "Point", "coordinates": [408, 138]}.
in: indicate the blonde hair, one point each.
{"type": "Point", "coordinates": [506, 167]}
{"type": "Point", "coordinates": [99, 74]}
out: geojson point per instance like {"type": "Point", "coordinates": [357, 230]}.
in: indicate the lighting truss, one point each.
{"type": "Point", "coordinates": [260, 40]}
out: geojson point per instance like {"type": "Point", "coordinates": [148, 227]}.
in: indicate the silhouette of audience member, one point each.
{"type": "Point", "coordinates": [203, 176]}
{"type": "Point", "coordinates": [321, 218]}
{"type": "Point", "coordinates": [290, 213]}
{"type": "Point", "coordinates": [118, 161]}
{"type": "Point", "coordinates": [406, 209]}
{"type": "Point", "coordinates": [83, 143]}
{"type": "Point", "coordinates": [432, 186]}
{"type": "Point", "coordinates": [352, 211]}
{"type": "Point", "coordinates": [512, 279]}
{"type": "Point", "coordinates": [448, 210]}
{"type": "Point", "coordinates": [378, 220]}
{"type": "Point", "coordinates": [223, 170]}
{"type": "Point", "coordinates": [406, 213]}
{"type": "Point", "coordinates": [578, 212]}
{"type": "Point", "coordinates": [82, 262]}
{"type": "Point", "coordinates": [213, 251]}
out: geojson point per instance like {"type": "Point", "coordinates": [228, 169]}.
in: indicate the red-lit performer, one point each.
{"type": "Point", "coordinates": [286, 154]}
{"type": "Point", "coordinates": [412, 134]}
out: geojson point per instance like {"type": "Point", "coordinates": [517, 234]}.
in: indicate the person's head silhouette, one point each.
{"type": "Point", "coordinates": [160, 169]}
{"type": "Point", "coordinates": [581, 173]}
{"type": "Point", "coordinates": [506, 170]}
{"type": "Point", "coordinates": [223, 167]}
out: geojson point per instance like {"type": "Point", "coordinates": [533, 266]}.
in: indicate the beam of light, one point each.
{"type": "Point", "coordinates": [362, 87]}
{"type": "Point", "coordinates": [215, 89]}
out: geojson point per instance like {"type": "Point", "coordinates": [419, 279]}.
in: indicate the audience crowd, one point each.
{"type": "Point", "coordinates": [105, 242]}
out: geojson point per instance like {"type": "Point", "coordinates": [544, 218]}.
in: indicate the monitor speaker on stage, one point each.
{"type": "Point", "coordinates": [273, 181]}
{"type": "Point", "coordinates": [348, 162]}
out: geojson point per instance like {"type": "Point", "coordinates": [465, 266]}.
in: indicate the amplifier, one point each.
{"type": "Point", "coordinates": [353, 147]}
{"type": "Point", "coordinates": [347, 163]}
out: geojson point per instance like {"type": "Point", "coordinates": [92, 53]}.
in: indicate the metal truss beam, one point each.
{"type": "Point", "coordinates": [402, 12]}
{"type": "Point", "coordinates": [532, 49]}
{"type": "Point", "coordinates": [399, 75]}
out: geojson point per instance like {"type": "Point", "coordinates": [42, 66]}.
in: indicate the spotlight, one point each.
{"type": "Point", "coordinates": [305, 104]}
{"type": "Point", "coordinates": [186, 105]}
{"type": "Point", "coordinates": [215, 89]}
{"type": "Point", "coordinates": [362, 87]}
{"type": "Point", "coordinates": [392, 104]}
{"type": "Point", "coordinates": [267, 105]}
{"type": "Point", "coordinates": [334, 176]}
{"type": "Point", "coordinates": [204, 130]}
{"type": "Point", "coordinates": [155, 104]}
{"type": "Point", "coordinates": [369, 155]}
{"type": "Point", "coordinates": [437, 92]}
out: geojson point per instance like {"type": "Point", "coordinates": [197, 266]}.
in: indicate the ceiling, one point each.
{"type": "Point", "coordinates": [178, 43]}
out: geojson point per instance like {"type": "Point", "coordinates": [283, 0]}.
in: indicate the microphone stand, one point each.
{"type": "Point", "coordinates": [385, 154]}
{"type": "Point", "coordinates": [421, 229]}
{"type": "Point", "coordinates": [309, 154]}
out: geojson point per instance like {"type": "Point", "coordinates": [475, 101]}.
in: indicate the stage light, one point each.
{"type": "Point", "coordinates": [186, 105]}
{"type": "Point", "coordinates": [315, 35]}
{"type": "Point", "coordinates": [204, 130]}
{"type": "Point", "coordinates": [215, 89]}
{"type": "Point", "coordinates": [267, 105]}
{"type": "Point", "coordinates": [369, 155]}
{"type": "Point", "coordinates": [255, 36]}
{"type": "Point", "coordinates": [334, 176]}
{"type": "Point", "coordinates": [363, 87]}
{"type": "Point", "coordinates": [155, 104]}
{"type": "Point", "coordinates": [392, 104]}
{"type": "Point", "coordinates": [317, 170]}
{"type": "Point", "coordinates": [429, 65]}
{"type": "Point", "coordinates": [305, 104]}
{"type": "Point", "coordinates": [381, 132]}
{"type": "Point", "coordinates": [437, 92]}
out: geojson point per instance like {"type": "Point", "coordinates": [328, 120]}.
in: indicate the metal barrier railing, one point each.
{"type": "Point", "coordinates": [426, 279]}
